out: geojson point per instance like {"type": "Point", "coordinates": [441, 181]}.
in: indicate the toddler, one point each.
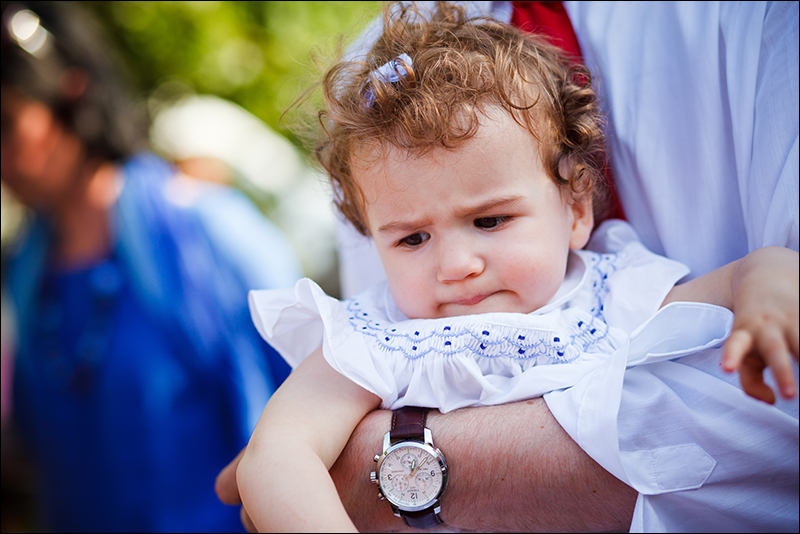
{"type": "Point", "coordinates": [472, 154]}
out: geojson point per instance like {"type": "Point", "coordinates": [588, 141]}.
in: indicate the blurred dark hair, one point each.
{"type": "Point", "coordinates": [73, 51]}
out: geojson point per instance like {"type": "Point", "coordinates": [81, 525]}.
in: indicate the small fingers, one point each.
{"type": "Point", "coordinates": [794, 341]}
{"type": "Point", "coordinates": [751, 376]}
{"type": "Point", "coordinates": [774, 352]}
{"type": "Point", "coordinates": [735, 349]}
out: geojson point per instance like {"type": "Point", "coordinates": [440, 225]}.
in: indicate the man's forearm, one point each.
{"type": "Point", "coordinates": [512, 469]}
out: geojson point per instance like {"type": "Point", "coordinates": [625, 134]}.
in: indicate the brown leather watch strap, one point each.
{"type": "Point", "coordinates": [408, 423]}
{"type": "Point", "coordinates": [424, 519]}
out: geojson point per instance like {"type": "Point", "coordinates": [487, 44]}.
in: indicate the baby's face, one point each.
{"type": "Point", "coordinates": [474, 230]}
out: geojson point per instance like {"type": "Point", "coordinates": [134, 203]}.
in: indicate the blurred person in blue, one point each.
{"type": "Point", "coordinates": [138, 373]}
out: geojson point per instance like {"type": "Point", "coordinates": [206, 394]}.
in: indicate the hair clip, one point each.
{"type": "Point", "coordinates": [389, 72]}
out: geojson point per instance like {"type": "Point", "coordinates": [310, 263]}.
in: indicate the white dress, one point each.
{"type": "Point", "coordinates": [607, 304]}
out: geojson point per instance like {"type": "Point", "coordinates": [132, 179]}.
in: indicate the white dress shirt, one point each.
{"type": "Point", "coordinates": [702, 106]}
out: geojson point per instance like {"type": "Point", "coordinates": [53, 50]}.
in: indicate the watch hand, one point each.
{"type": "Point", "coordinates": [413, 472]}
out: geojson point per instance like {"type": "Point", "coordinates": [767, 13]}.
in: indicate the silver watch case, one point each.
{"type": "Point", "coordinates": [428, 447]}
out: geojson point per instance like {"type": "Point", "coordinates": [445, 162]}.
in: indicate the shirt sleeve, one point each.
{"type": "Point", "coordinates": [702, 105]}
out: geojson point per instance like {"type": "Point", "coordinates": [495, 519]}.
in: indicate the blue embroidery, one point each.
{"type": "Point", "coordinates": [602, 266]}
{"type": "Point", "coordinates": [535, 343]}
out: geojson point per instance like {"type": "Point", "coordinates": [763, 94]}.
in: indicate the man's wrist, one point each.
{"type": "Point", "coordinates": [351, 471]}
{"type": "Point", "coordinates": [512, 468]}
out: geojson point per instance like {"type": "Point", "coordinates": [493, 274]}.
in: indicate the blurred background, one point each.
{"type": "Point", "coordinates": [215, 78]}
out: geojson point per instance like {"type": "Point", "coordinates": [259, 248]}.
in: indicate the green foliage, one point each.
{"type": "Point", "coordinates": [256, 54]}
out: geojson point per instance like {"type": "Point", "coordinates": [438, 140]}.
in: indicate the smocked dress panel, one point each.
{"type": "Point", "coordinates": [480, 359]}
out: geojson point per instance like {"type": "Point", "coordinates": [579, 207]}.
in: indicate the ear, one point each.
{"type": "Point", "coordinates": [582, 222]}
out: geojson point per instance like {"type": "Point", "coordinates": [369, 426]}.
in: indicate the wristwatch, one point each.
{"type": "Point", "coordinates": [411, 473]}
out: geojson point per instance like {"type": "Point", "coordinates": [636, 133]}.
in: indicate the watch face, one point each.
{"type": "Point", "coordinates": [411, 476]}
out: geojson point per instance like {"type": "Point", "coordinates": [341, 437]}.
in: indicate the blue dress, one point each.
{"type": "Point", "coordinates": [140, 377]}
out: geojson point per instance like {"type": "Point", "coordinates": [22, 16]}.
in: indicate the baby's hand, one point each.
{"type": "Point", "coordinates": [766, 290]}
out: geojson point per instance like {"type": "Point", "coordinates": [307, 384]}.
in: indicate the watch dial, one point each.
{"type": "Point", "coordinates": [410, 477]}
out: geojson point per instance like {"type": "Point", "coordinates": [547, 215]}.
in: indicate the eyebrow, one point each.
{"type": "Point", "coordinates": [491, 204]}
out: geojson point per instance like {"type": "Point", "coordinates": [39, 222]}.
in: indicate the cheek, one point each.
{"type": "Point", "coordinates": [408, 292]}
{"type": "Point", "coordinates": [406, 299]}
{"type": "Point", "coordinates": [33, 139]}
{"type": "Point", "coordinates": [42, 158]}
{"type": "Point", "coordinates": [535, 269]}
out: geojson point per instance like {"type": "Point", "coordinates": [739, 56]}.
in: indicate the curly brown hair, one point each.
{"type": "Point", "coordinates": [459, 67]}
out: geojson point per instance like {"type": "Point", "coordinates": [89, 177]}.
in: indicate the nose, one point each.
{"type": "Point", "coordinates": [459, 259]}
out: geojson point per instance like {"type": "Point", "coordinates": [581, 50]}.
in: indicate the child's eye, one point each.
{"type": "Point", "coordinates": [490, 222]}
{"type": "Point", "coordinates": [414, 240]}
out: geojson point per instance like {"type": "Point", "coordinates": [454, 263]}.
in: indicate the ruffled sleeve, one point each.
{"type": "Point", "coordinates": [297, 321]}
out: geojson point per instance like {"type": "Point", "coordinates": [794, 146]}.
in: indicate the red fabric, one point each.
{"type": "Point", "coordinates": [551, 19]}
